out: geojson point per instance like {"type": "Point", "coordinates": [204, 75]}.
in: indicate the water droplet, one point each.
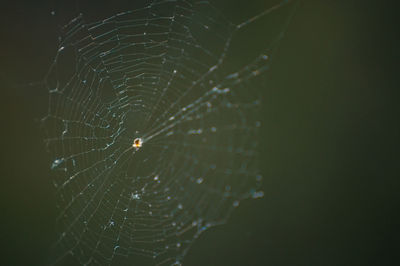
{"type": "Point", "coordinates": [57, 163]}
{"type": "Point", "coordinates": [258, 194]}
{"type": "Point", "coordinates": [135, 196]}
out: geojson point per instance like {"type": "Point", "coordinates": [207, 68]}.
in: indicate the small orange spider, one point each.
{"type": "Point", "coordinates": [137, 143]}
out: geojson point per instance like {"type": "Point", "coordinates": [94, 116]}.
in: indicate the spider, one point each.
{"type": "Point", "coordinates": [137, 143]}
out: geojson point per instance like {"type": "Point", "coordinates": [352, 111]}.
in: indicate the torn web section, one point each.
{"type": "Point", "coordinates": [159, 74]}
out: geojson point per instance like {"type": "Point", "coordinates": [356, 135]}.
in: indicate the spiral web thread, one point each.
{"type": "Point", "coordinates": [162, 74]}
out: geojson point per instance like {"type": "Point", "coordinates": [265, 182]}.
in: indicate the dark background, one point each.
{"type": "Point", "coordinates": [330, 138]}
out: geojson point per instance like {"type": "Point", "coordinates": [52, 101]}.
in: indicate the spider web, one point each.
{"type": "Point", "coordinates": [164, 74]}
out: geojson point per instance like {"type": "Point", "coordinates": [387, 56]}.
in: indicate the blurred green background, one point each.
{"type": "Point", "coordinates": [330, 138]}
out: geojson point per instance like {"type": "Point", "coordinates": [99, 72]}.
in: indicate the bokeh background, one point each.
{"type": "Point", "coordinates": [330, 137]}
